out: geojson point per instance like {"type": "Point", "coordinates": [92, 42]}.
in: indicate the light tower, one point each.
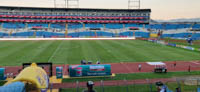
{"type": "Point", "coordinates": [60, 4]}
{"type": "Point", "coordinates": [133, 4]}
{"type": "Point", "coordinates": [66, 3]}
{"type": "Point", "coordinates": [72, 3]}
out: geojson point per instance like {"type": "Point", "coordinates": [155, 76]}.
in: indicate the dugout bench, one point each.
{"type": "Point", "coordinates": [160, 69]}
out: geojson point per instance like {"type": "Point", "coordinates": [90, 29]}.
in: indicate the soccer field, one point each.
{"type": "Point", "coordinates": [107, 51]}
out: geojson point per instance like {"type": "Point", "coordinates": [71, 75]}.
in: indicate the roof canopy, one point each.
{"type": "Point", "coordinates": [73, 9]}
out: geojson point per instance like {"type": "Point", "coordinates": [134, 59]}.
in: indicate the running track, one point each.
{"type": "Point", "coordinates": [121, 68]}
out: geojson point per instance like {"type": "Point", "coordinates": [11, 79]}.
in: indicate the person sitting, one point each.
{"type": "Point", "coordinates": [98, 62]}
{"type": "Point", "coordinates": [190, 40]}
{"type": "Point", "coordinates": [89, 87]}
{"type": "Point", "coordinates": [83, 62]}
{"type": "Point", "coordinates": [89, 62]}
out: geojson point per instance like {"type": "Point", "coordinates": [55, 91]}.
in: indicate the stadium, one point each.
{"type": "Point", "coordinates": [96, 50]}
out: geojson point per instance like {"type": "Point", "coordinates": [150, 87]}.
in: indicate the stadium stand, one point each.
{"type": "Point", "coordinates": [37, 25]}
{"type": "Point", "coordinates": [114, 26]}
{"type": "Point", "coordinates": [74, 25]}
{"type": "Point", "coordinates": [72, 22]}
{"type": "Point", "coordinates": [11, 25]}
{"type": "Point", "coordinates": [68, 22]}
{"type": "Point", "coordinates": [95, 25]}
{"type": "Point", "coordinates": [58, 26]}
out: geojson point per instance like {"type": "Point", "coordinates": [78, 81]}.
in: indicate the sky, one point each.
{"type": "Point", "coordinates": [161, 9]}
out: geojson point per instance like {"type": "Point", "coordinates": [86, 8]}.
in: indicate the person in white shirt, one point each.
{"type": "Point", "coordinates": [139, 67]}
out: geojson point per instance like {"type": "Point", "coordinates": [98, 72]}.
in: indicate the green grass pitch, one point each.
{"type": "Point", "coordinates": [107, 51]}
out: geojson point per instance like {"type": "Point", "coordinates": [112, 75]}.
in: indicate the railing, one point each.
{"type": "Point", "coordinates": [69, 17]}
{"type": "Point", "coordinates": [178, 85]}
{"type": "Point", "coordinates": [71, 21]}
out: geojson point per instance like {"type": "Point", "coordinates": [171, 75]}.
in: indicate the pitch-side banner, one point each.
{"type": "Point", "coordinates": [90, 70]}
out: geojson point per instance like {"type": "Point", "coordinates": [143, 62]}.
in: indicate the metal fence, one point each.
{"type": "Point", "coordinates": [188, 84]}
{"type": "Point", "coordinates": [179, 85]}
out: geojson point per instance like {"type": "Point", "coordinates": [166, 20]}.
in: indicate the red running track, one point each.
{"type": "Point", "coordinates": [122, 68]}
{"type": "Point", "coordinates": [133, 67]}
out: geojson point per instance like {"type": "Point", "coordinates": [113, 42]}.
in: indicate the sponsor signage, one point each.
{"type": "Point", "coordinates": [172, 44]}
{"type": "Point", "coordinates": [89, 70]}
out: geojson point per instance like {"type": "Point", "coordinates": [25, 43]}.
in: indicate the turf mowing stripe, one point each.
{"type": "Point", "coordinates": [11, 48]}
{"type": "Point", "coordinates": [89, 51]}
{"type": "Point", "coordinates": [37, 50]}
{"type": "Point", "coordinates": [125, 50]}
{"type": "Point", "coordinates": [62, 55]}
{"type": "Point", "coordinates": [47, 51]}
{"type": "Point", "coordinates": [26, 56]}
{"type": "Point", "coordinates": [167, 53]}
{"type": "Point", "coordinates": [84, 50]}
{"type": "Point", "coordinates": [101, 52]}
{"type": "Point", "coordinates": [74, 52]}
{"type": "Point", "coordinates": [135, 52]}
{"type": "Point", "coordinates": [111, 50]}
{"type": "Point", "coordinates": [15, 54]}
{"type": "Point", "coordinates": [140, 52]}
{"type": "Point", "coordinates": [4, 44]}
{"type": "Point", "coordinates": [116, 49]}
{"type": "Point", "coordinates": [58, 47]}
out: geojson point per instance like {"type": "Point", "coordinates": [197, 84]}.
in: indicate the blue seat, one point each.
{"type": "Point", "coordinates": [13, 25]}
{"type": "Point", "coordinates": [94, 25]}
{"type": "Point", "coordinates": [43, 25]}
{"type": "Point", "coordinates": [75, 25]}
{"type": "Point", "coordinates": [58, 25]}
{"type": "Point", "coordinates": [114, 26]}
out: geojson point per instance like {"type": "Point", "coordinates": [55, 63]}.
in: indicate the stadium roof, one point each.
{"type": "Point", "coordinates": [75, 9]}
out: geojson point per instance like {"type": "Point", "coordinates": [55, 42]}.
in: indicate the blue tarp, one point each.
{"type": "Point", "coordinates": [198, 89]}
{"type": "Point", "coordinates": [13, 87]}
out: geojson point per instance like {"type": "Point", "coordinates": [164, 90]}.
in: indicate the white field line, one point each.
{"type": "Point", "coordinates": [195, 62]}
{"type": "Point", "coordinates": [55, 52]}
{"type": "Point", "coordinates": [111, 38]}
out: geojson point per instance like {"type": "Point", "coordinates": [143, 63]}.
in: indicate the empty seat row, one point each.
{"type": "Point", "coordinates": [59, 26]}
{"type": "Point", "coordinates": [75, 25]}
{"type": "Point", "coordinates": [13, 25]}
{"type": "Point", "coordinates": [44, 25]}
{"type": "Point", "coordinates": [114, 26]}
{"type": "Point", "coordinates": [94, 25]}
